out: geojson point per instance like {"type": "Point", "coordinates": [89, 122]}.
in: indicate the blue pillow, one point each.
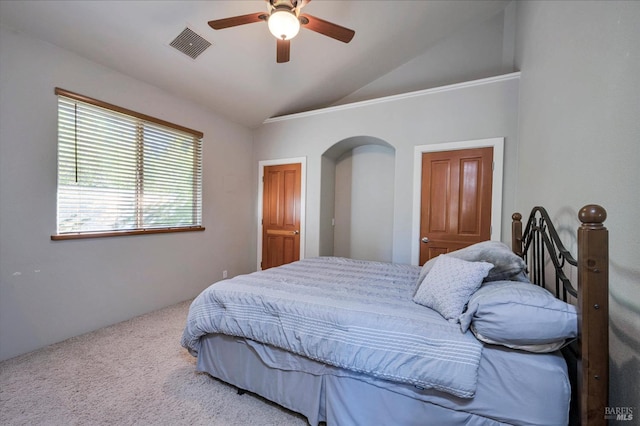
{"type": "Point", "coordinates": [449, 285]}
{"type": "Point", "coordinates": [507, 264]}
{"type": "Point", "coordinates": [520, 315]}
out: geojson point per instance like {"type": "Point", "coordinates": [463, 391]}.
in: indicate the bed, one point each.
{"type": "Point", "coordinates": [472, 337]}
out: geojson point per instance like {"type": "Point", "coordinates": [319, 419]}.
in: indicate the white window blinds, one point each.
{"type": "Point", "coordinates": [121, 171]}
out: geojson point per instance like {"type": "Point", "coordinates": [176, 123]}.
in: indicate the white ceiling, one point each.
{"type": "Point", "coordinates": [238, 76]}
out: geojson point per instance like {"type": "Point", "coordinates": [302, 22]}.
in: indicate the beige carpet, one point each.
{"type": "Point", "coordinates": [134, 372]}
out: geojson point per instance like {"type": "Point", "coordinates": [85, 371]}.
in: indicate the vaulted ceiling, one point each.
{"type": "Point", "coordinates": [238, 76]}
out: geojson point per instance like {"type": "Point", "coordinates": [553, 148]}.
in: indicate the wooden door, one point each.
{"type": "Point", "coordinates": [456, 200]}
{"type": "Point", "coordinates": [281, 215]}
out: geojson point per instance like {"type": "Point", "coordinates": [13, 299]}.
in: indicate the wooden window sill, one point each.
{"type": "Point", "coordinates": [76, 236]}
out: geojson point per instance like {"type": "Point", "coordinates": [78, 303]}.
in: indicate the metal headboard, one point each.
{"type": "Point", "coordinates": [539, 238]}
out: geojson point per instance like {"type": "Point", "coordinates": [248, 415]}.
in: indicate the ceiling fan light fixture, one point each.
{"type": "Point", "coordinates": [283, 24]}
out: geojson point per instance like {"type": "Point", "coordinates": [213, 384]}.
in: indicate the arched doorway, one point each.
{"type": "Point", "coordinates": [357, 196]}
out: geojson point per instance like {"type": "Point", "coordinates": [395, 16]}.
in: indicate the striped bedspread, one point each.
{"type": "Point", "coordinates": [357, 315]}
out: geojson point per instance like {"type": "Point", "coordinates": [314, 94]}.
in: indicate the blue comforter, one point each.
{"type": "Point", "coordinates": [357, 315]}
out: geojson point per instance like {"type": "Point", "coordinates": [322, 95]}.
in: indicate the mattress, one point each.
{"type": "Point", "coordinates": [514, 387]}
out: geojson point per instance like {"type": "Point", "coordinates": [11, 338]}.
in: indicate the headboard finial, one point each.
{"type": "Point", "coordinates": [592, 215]}
{"type": "Point", "coordinates": [516, 216]}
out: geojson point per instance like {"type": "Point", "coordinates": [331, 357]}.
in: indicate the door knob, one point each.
{"type": "Point", "coordinates": [296, 232]}
{"type": "Point", "coordinates": [425, 240]}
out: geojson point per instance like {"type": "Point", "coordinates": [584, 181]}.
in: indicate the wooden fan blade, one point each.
{"type": "Point", "coordinates": [327, 28]}
{"type": "Point", "coordinates": [219, 24]}
{"type": "Point", "coordinates": [283, 49]}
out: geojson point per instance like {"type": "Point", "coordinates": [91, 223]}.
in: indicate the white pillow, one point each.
{"type": "Point", "coordinates": [540, 348]}
{"type": "Point", "coordinates": [449, 285]}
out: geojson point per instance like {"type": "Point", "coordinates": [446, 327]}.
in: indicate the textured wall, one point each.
{"type": "Point", "coordinates": [50, 291]}
{"type": "Point", "coordinates": [580, 124]}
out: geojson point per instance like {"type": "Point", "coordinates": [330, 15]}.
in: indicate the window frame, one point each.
{"type": "Point", "coordinates": [143, 117]}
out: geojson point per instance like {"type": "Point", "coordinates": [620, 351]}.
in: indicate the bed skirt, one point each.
{"type": "Point", "coordinates": [338, 397]}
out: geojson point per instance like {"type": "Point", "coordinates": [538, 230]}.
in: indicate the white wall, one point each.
{"type": "Point", "coordinates": [457, 113]}
{"type": "Point", "coordinates": [50, 290]}
{"type": "Point", "coordinates": [364, 203]}
{"type": "Point", "coordinates": [580, 143]}
{"type": "Point", "coordinates": [475, 52]}
{"type": "Point", "coordinates": [326, 242]}
{"type": "Point", "coordinates": [342, 204]}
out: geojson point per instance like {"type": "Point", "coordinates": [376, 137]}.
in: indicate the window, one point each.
{"type": "Point", "coordinates": [122, 173]}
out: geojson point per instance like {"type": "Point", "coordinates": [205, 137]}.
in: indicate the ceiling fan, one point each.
{"type": "Point", "coordinates": [285, 20]}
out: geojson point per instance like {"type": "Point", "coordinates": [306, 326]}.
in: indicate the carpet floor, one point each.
{"type": "Point", "coordinates": [131, 373]}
